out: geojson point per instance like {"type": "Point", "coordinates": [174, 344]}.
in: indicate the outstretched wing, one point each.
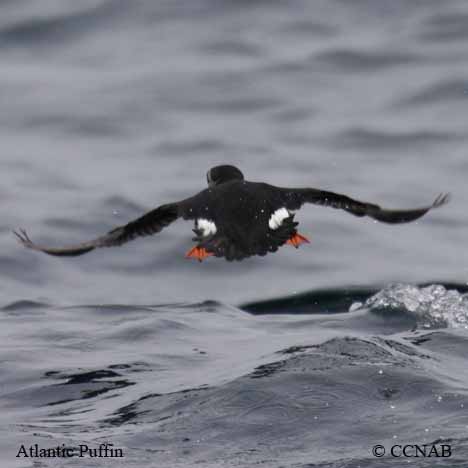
{"type": "Point", "coordinates": [293, 199]}
{"type": "Point", "coordinates": [152, 222]}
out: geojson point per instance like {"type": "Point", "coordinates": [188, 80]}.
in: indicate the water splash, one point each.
{"type": "Point", "coordinates": [433, 306]}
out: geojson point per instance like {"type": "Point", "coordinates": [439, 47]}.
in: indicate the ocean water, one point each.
{"type": "Point", "coordinates": [304, 358]}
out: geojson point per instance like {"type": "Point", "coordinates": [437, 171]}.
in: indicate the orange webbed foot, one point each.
{"type": "Point", "coordinates": [297, 240]}
{"type": "Point", "coordinates": [199, 253]}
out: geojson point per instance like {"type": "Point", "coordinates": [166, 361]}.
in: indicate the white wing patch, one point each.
{"type": "Point", "coordinates": [207, 227]}
{"type": "Point", "coordinates": [278, 217]}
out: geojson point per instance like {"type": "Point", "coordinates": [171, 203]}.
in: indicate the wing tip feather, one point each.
{"type": "Point", "coordinates": [441, 199]}
{"type": "Point", "coordinates": [23, 238]}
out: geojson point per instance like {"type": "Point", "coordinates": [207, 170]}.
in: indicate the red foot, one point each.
{"type": "Point", "coordinates": [198, 253]}
{"type": "Point", "coordinates": [297, 240]}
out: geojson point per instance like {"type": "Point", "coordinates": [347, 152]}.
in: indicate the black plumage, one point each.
{"type": "Point", "coordinates": [239, 216]}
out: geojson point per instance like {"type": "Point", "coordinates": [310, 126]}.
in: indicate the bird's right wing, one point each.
{"type": "Point", "coordinates": [151, 223]}
{"type": "Point", "coordinates": [295, 198]}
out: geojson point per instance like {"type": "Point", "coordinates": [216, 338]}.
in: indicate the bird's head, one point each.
{"type": "Point", "coordinates": [221, 174]}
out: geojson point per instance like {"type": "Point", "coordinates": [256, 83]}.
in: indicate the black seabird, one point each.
{"type": "Point", "coordinates": [236, 219]}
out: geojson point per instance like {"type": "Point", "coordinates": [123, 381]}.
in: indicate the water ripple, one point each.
{"type": "Point", "coordinates": [352, 60]}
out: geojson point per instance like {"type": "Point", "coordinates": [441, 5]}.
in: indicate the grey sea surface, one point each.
{"type": "Point", "coordinates": [303, 358]}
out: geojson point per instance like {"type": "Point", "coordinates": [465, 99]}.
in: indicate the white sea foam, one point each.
{"type": "Point", "coordinates": [433, 306]}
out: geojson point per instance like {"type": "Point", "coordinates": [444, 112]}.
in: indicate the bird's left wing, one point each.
{"type": "Point", "coordinates": [293, 199]}
{"type": "Point", "coordinates": [150, 223]}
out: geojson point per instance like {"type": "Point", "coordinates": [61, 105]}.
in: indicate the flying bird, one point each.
{"type": "Point", "coordinates": [234, 218]}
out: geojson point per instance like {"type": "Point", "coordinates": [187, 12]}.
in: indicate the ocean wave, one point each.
{"type": "Point", "coordinates": [433, 306]}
